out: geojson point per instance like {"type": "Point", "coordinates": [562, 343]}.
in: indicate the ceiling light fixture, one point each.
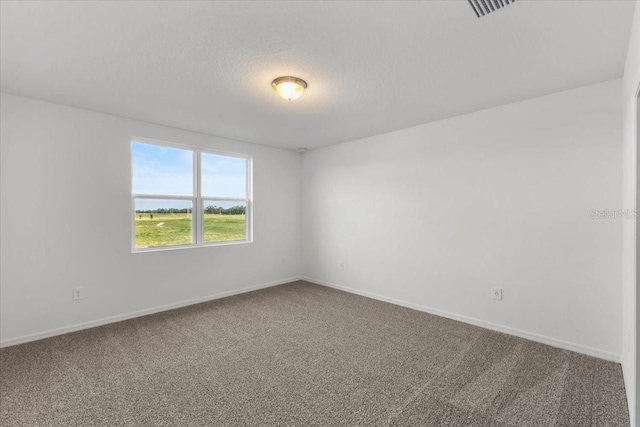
{"type": "Point", "coordinates": [289, 88]}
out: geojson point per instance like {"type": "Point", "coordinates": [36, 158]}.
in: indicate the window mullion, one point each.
{"type": "Point", "coordinates": [249, 203]}
{"type": "Point", "coordinates": [160, 196]}
{"type": "Point", "coordinates": [197, 205]}
{"type": "Point", "coordinates": [225, 199]}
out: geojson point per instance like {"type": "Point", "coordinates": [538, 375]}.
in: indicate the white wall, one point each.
{"type": "Point", "coordinates": [66, 222]}
{"type": "Point", "coordinates": [434, 216]}
{"type": "Point", "coordinates": [629, 326]}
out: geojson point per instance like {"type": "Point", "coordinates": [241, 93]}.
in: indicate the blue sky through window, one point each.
{"type": "Point", "coordinates": [223, 176]}
{"type": "Point", "coordinates": [162, 170]}
{"type": "Point", "coordinates": [169, 171]}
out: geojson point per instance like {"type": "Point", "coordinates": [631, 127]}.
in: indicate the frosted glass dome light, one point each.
{"type": "Point", "coordinates": [289, 88]}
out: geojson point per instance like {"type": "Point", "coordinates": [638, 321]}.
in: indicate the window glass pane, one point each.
{"type": "Point", "coordinates": [223, 176]}
{"type": "Point", "coordinates": [162, 170]}
{"type": "Point", "coordinates": [163, 223]}
{"type": "Point", "coordinates": [224, 221]}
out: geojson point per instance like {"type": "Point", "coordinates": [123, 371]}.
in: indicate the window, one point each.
{"type": "Point", "coordinates": [188, 197]}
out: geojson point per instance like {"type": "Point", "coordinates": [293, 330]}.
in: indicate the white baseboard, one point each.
{"type": "Point", "coordinates": [578, 348]}
{"type": "Point", "coordinates": [139, 313]}
{"type": "Point", "coordinates": [566, 345]}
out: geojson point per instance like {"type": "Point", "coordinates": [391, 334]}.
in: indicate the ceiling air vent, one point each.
{"type": "Point", "coordinates": [485, 7]}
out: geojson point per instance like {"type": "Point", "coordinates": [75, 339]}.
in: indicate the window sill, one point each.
{"type": "Point", "coordinates": [180, 247]}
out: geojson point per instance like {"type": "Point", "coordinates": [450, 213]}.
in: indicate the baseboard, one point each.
{"type": "Point", "coordinates": [578, 348]}
{"type": "Point", "coordinates": [566, 345]}
{"type": "Point", "coordinates": [106, 320]}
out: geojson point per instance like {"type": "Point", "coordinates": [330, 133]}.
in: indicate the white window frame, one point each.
{"type": "Point", "coordinates": [197, 200]}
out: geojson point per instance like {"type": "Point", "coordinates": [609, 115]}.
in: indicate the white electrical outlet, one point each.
{"type": "Point", "coordinates": [78, 293]}
{"type": "Point", "coordinates": [496, 294]}
{"type": "Point", "coordinates": [341, 266]}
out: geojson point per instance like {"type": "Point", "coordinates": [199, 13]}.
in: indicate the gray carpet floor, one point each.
{"type": "Point", "coordinates": [303, 355]}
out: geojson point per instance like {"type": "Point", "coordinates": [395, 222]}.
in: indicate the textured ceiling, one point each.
{"type": "Point", "coordinates": [371, 67]}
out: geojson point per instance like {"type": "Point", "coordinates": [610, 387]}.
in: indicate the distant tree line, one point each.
{"type": "Point", "coordinates": [164, 211]}
{"type": "Point", "coordinates": [235, 210]}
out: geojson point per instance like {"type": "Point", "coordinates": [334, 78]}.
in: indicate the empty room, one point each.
{"type": "Point", "coordinates": [319, 213]}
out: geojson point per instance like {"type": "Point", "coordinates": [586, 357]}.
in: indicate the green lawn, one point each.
{"type": "Point", "coordinates": [175, 229]}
